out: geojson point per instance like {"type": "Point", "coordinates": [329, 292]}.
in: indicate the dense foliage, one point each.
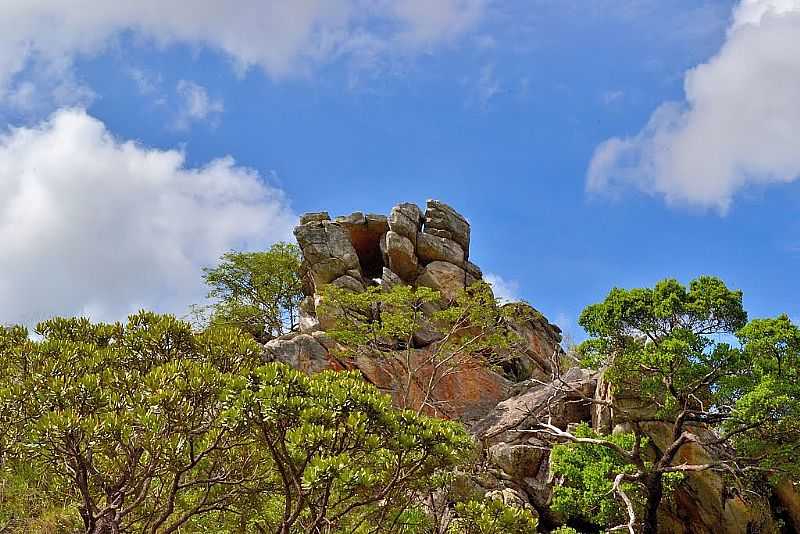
{"type": "Point", "coordinates": [345, 459]}
{"type": "Point", "coordinates": [492, 516]}
{"type": "Point", "coordinates": [686, 358]}
{"type": "Point", "coordinates": [153, 427]}
{"type": "Point", "coordinates": [158, 426]}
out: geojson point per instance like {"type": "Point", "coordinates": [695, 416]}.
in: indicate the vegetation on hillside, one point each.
{"type": "Point", "coordinates": [685, 358]}
{"type": "Point", "coordinates": [387, 324]}
{"type": "Point", "coordinates": [157, 426]}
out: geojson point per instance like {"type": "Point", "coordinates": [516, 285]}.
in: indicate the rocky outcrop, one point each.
{"type": "Point", "coordinates": [429, 249]}
{"type": "Point", "coordinates": [443, 221]}
{"type": "Point", "coordinates": [328, 252]}
{"type": "Point", "coordinates": [420, 249]}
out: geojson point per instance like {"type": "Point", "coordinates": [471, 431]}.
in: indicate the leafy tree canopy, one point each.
{"type": "Point", "coordinates": [492, 516]}
{"type": "Point", "coordinates": [345, 460]}
{"type": "Point", "coordinates": [257, 292]}
{"type": "Point", "coordinates": [152, 427]}
{"type": "Point", "coordinates": [125, 418]}
{"type": "Point", "coordinates": [688, 359]}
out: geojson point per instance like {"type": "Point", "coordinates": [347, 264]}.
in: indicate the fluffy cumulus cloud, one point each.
{"type": "Point", "coordinates": [94, 225]}
{"type": "Point", "coordinates": [737, 127]}
{"type": "Point", "coordinates": [39, 39]}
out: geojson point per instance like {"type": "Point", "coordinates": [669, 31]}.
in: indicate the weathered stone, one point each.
{"type": "Point", "coordinates": [788, 495]}
{"type": "Point", "coordinates": [511, 497]}
{"type": "Point", "coordinates": [308, 317]}
{"type": "Point", "coordinates": [474, 271]}
{"type": "Point", "coordinates": [706, 503]}
{"type": "Point", "coordinates": [542, 341]}
{"type": "Point", "coordinates": [426, 335]}
{"type": "Point", "coordinates": [389, 279]}
{"type": "Point", "coordinates": [519, 461]}
{"type": "Point", "coordinates": [431, 248]}
{"type": "Point", "coordinates": [443, 221]}
{"type": "Point", "coordinates": [318, 216]}
{"type": "Point", "coordinates": [325, 340]}
{"type": "Point", "coordinates": [364, 233]}
{"type": "Point", "coordinates": [348, 282]}
{"type": "Point", "coordinates": [467, 393]}
{"type": "Point", "coordinates": [444, 277]}
{"type": "Point", "coordinates": [406, 219]}
{"type": "Point", "coordinates": [327, 251]}
{"type": "Point", "coordinates": [301, 352]}
{"type": "Point", "coordinates": [562, 405]}
{"type": "Point", "coordinates": [398, 252]}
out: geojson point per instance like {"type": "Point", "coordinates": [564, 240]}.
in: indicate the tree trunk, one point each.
{"type": "Point", "coordinates": [104, 525]}
{"type": "Point", "coordinates": [655, 491]}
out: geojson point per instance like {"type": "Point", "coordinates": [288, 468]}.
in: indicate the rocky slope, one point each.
{"type": "Point", "coordinates": [431, 249]}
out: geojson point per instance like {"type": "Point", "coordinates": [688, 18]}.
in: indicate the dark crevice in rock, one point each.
{"type": "Point", "coordinates": [365, 233]}
{"type": "Point", "coordinates": [367, 246]}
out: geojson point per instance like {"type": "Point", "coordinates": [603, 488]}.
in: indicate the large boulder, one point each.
{"type": "Point", "coordinates": [558, 403]}
{"type": "Point", "coordinates": [406, 219]}
{"type": "Point", "coordinates": [349, 283]}
{"type": "Point", "coordinates": [443, 221]}
{"type": "Point", "coordinates": [706, 502]}
{"type": "Point", "coordinates": [302, 351]}
{"type": "Point", "coordinates": [444, 277]}
{"type": "Point", "coordinates": [314, 216]}
{"type": "Point", "coordinates": [327, 251]}
{"type": "Point", "coordinates": [467, 392]}
{"type": "Point", "coordinates": [432, 248]}
{"type": "Point", "coordinates": [541, 342]}
{"type": "Point", "coordinates": [398, 253]}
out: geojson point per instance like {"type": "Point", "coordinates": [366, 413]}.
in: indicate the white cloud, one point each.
{"type": "Point", "coordinates": [195, 105]}
{"type": "Point", "coordinates": [737, 127]}
{"type": "Point", "coordinates": [91, 224]}
{"type": "Point", "coordinates": [504, 290]}
{"type": "Point", "coordinates": [488, 86]}
{"type": "Point", "coordinates": [284, 38]}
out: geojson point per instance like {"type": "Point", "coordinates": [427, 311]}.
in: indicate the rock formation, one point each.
{"type": "Point", "coordinates": [431, 249]}
{"type": "Point", "coordinates": [417, 248]}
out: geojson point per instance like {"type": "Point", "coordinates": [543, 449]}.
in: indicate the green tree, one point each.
{"type": "Point", "coordinates": [125, 419]}
{"type": "Point", "coordinates": [663, 352]}
{"type": "Point", "coordinates": [587, 476]}
{"type": "Point", "coordinates": [492, 516]}
{"type": "Point", "coordinates": [389, 325]}
{"type": "Point", "coordinates": [154, 428]}
{"type": "Point", "coordinates": [257, 292]}
{"type": "Point", "coordinates": [345, 460]}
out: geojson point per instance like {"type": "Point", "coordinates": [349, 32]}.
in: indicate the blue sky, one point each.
{"type": "Point", "coordinates": [591, 144]}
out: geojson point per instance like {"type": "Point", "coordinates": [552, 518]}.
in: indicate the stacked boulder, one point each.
{"type": "Point", "coordinates": [416, 248]}
{"type": "Point", "coordinates": [428, 249]}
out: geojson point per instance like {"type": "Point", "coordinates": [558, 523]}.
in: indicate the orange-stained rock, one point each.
{"type": "Point", "coordinates": [706, 503]}
{"type": "Point", "coordinates": [466, 390]}
{"type": "Point", "coordinates": [788, 494]}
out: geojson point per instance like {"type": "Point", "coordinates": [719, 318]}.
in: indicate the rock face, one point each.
{"type": "Point", "coordinates": [501, 405]}
{"type": "Point", "coordinates": [410, 247]}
